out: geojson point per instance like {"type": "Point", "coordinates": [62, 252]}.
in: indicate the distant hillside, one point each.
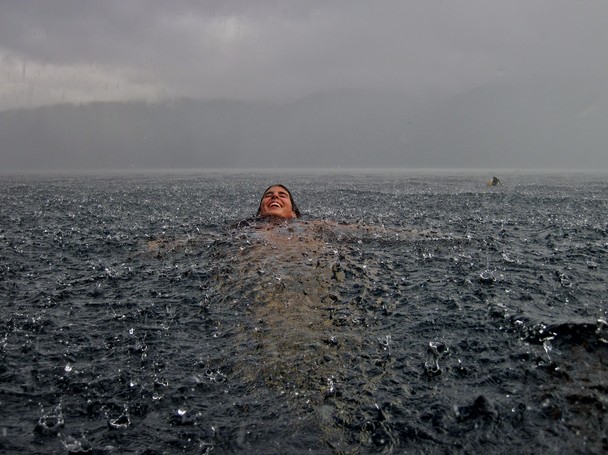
{"type": "Point", "coordinates": [536, 126]}
{"type": "Point", "coordinates": [490, 127]}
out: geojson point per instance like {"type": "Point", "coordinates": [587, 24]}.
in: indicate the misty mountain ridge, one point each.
{"type": "Point", "coordinates": [528, 127]}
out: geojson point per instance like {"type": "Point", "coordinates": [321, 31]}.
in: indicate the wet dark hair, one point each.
{"type": "Point", "coordinates": [294, 207]}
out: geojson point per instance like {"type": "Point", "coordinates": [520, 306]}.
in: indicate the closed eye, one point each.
{"type": "Point", "coordinates": [282, 195]}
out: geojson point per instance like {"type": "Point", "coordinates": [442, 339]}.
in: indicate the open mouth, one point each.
{"type": "Point", "coordinates": [274, 204]}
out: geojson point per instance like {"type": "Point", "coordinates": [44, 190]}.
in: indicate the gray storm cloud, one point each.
{"type": "Point", "coordinates": [278, 50]}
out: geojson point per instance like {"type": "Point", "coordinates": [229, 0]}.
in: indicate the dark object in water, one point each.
{"type": "Point", "coordinates": [494, 181]}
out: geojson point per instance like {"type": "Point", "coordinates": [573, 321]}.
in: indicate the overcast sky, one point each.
{"type": "Point", "coordinates": [84, 50]}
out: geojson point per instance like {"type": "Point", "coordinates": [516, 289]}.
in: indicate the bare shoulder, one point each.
{"type": "Point", "coordinates": [162, 246]}
{"type": "Point", "coordinates": [360, 230]}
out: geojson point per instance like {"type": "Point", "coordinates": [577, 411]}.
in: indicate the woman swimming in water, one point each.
{"type": "Point", "coordinates": [277, 201]}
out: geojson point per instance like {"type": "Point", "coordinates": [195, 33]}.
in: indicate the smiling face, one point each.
{"type": "Point", "coordinates": [277, 202]}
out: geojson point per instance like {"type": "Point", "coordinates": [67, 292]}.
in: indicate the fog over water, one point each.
{"type": "Point", "coordinates": [475, 84]}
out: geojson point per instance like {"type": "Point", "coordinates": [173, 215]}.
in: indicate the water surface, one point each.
{"type": "Point", "coordinates": [406, 313]}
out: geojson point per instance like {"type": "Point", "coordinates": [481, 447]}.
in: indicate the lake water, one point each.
{"type": "Point", "coordinates": [404, 313]}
